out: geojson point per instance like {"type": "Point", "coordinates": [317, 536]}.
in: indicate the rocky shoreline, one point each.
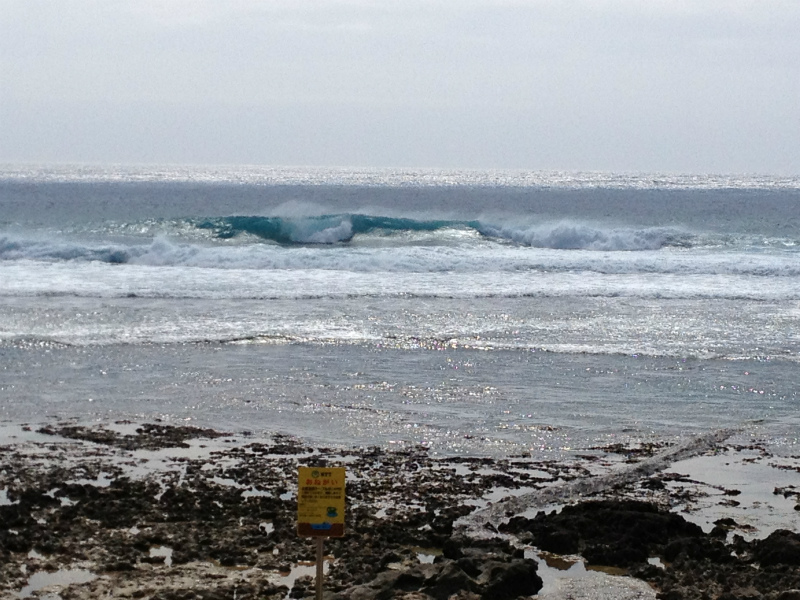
{"type": "Point", "coordinates": [164, 512]}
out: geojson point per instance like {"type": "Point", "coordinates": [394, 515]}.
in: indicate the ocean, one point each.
{"type": "Point", "coordinates": [489, 313]}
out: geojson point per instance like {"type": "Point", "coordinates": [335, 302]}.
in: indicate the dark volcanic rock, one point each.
{"type": "Point", "coordinates": [699, 566]}
{"type": "Point", "coordinates": [510, 580]}
{"type": "Point", "coordinates": [450, 579]}
{"type": "Point", "coordinates": [617, 533]}
{"type": "Point", "coordinates": [624, 554]}
{"type": "Point", "coordinates": [227, 521]}
{"type": "Point", "coordinates": [781, 547]}
{"type": "Point", "coordinates": [497, 578]}
{"type": "Point", "coordinates": [148, 435]}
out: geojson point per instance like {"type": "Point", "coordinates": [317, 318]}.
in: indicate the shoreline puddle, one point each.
{"type": "Point", "coordinates": [165, 551]}
{"type": "Point", "coordinates": [4, 500]}
{"type": "Point", "coordinates": [301, 569]}
{"type": "Point", "coordinates": [565, 577]}
{"type": "Point", "coordinates": [742, 486]}
{"type": "Point", "coordinates": [45, 579]}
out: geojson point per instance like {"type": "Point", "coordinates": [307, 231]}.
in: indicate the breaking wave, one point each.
{"type": "Point", "coordinates": [324, 229]}
{"type": "Point", "coordinates": [572, 236]}
{"type": "Point", "coordinates": [37, 248]}
{"type": "Point", "coordinates": [332, 229]}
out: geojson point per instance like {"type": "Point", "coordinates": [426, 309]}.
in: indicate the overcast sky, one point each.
{"type": "Point", "coordinates": [672, 86]}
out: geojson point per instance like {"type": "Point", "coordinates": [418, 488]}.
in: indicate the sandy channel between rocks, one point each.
{"type": "Point", "coordinates": [147, 510]}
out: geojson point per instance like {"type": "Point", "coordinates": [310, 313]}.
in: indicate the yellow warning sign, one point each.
{"type": "Point", "coordinates": [320, 501]}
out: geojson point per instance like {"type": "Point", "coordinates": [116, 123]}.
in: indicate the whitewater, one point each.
{"type": "Point", "coordinates": [472, 311]}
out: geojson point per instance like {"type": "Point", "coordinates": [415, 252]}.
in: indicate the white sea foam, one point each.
{"type": "Point", "coordinates": [96, 279]}
{"type": "Point", "coordinates": [330, 235]}
{"type": "Point", "coordinates": [568, 236]}
{"type": "Point", "coordinates": [465, 255]}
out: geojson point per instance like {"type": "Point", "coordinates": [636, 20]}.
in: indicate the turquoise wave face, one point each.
{"type": "Point", "coordinates": [323, 229]}
{"type": "Point", "coordinates": [338, 228]}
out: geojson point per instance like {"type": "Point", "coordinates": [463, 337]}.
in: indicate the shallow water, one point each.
{"type": "Point", "coordinates": [741, 486]}
{"type": "Point", "coordinates": [569, 578]}
{"type": "Point", "coordinates": [455, 401]}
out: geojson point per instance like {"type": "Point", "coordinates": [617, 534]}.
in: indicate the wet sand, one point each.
{"type": "Point", "coordinates": [154, 511]}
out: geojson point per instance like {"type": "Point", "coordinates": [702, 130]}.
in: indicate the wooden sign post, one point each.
{"type": "Point", "coordinates": [320, 508]}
